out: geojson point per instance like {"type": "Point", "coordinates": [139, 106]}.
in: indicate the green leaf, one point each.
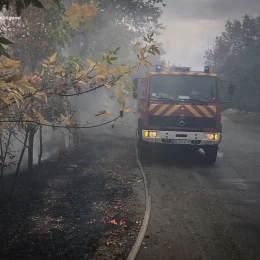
{"type": "Point", "coordinates": [20, 4]}
{"type": "Point", "coordinates": [157, 51]}
{"type": "Point", "coordinates": [27, 3]}
{"type": "Point", "coordinates": [37, 3]}
{"type": "Point", "coordinates": [116, 50]}
{"type": "Point", "coordinates": [113, 58]}
{"type": "Point", "coordinates": [5, 41]}
{"type": "Point", "coordinates": [5, 53]}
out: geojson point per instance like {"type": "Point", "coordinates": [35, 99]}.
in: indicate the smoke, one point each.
{"type": "Point", "coordinates": [89, 104]}
{"type": "Point", "coordinates": [110, 36]}
{"type": "Point", "coordinates": [53, 142]}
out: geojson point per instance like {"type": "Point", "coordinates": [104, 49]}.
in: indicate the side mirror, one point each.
{"type": "Point", "coordinates": [139, 84]}
{"type": "Point", "coordinates": [231, 89]}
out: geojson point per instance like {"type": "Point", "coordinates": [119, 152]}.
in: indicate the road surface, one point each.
{"type": "Point", "coordinates": [206, 211]}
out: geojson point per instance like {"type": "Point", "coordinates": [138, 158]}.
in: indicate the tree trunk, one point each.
{"type": "Point", "coordinates": [20, 161]}
{"type": "Point", "coordinates": [2, 167]}
{"type": "Point", "coordinates": [30, 149]}
{"type": "Point", "coordinates": [41, 149]}
{"type": "Point", "coordinates": [3, 159]}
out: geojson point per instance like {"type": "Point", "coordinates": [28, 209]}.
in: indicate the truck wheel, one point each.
{"type": "Point", "coordinates": [142, 149]}
{"type": "Point", "coordinates": [211, 154]}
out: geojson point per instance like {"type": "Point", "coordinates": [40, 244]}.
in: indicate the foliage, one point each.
{"type": "Point", "coordinates": [64, 80]}
{"type": "Point", "coordinates": [17, 6]}
{"type": "Point", "coordinates": [36, 89]}
{"type": "Point", "coordinates": [41, 32]}
{"type": "Point", "coordinates": [13, 86]}
{"type": "Point", "coordinates": [235, 55]}
{"type": "Point", "coordinates": [134, 13]}
{"type": "Point", "coordinates": [120, 23]}
{"type": "Point", "coordinates": [77, 15]}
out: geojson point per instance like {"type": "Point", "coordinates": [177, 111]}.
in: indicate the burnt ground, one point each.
{"type": "Point", "coordinates": [84, 208]}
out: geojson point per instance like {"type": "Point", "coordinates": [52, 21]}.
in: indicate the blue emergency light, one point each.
{"type": "Point", "coordinates": [206, 69]}
{"type": "Point", "coordinates": [158, 68]}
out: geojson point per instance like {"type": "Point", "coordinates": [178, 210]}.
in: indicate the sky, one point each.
{"type": "Point", "coordinates": [192, 26]}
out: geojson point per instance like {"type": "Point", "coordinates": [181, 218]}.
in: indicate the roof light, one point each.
{"type": "Point", "coordinates": [158, 68]}
{"type": "Point", "coordinates": [206, 69]}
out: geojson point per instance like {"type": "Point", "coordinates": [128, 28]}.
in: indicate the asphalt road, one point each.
{"type": "Point", "coordinates": [206, 211]}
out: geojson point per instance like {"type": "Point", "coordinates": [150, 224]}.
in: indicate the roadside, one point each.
{"type": "Point", "coordinates": [242, 117]}
{"type": "Point", "coordinates": [86, 208]}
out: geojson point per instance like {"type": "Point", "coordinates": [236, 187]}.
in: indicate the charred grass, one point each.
{"type": "Point", "coordinates": [79, 208]}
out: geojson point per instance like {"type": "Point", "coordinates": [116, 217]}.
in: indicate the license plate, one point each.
{"type": "Point", "coordinates": [180, 141]}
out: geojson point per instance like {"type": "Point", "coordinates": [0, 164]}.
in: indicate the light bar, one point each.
{"type": "Point", "coordinates": [180, 69]}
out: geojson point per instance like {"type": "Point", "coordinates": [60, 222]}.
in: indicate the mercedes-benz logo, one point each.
{"type": "Point", "coordinates": [182, 121]}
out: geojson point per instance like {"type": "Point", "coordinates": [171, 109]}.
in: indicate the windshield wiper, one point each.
{"type": "Point", "coordinates": [165, 98]}
{"type": "Point", "coordinates": [195, 100]}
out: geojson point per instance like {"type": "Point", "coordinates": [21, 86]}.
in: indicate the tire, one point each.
{"type": "Point", "coordinates": [143, 149]}
{"type": "Point", "coordinates": [211, 153]}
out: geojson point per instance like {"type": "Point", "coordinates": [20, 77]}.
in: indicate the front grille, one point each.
{"type": "Point", "coordinates": [191, 122]}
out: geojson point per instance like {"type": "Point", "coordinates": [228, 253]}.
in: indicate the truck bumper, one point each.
{"type": "Point", "coordinates": [181, 138]}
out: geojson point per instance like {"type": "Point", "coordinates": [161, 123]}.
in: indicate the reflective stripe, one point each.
{"type": "Point", "coordinates": [160, 110]}
{"type": "Point", "coordinates": [205, 111]}
{"type": "Point", "coordinates": [193, 111]}
{"type": "Point", "coordinates": [152, 107]}
{"type": "Point", "coordinates": [213, 108]}
{"type": "Point", "coordinates": [174, 108]}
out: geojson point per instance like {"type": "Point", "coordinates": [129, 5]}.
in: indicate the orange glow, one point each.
{"type": "Point", "coordinates": [113, 222]}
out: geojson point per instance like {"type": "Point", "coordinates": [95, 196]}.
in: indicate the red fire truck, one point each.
{"type": "Point", "coordinates": [180, 107]}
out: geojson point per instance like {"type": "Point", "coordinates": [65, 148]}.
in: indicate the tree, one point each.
{"type": "Point", "coordinates": [135, 13]}
{"type": "Point", "coordinates": [26, 90]}
{"type": "Point", "coordinates": [22, 98]}
{"type": "Point", "coordinates": [235, 55]}
{"type": "Point", "coordinates": [41, 32]}
{"type": "Point", "coordinates": [119, 23]}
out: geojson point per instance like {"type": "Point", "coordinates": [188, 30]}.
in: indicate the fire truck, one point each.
{"type": "Point", "coordinates": [180, 108]}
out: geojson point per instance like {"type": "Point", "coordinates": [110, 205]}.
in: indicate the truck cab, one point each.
{"type": "Point", "coordinates": [179, 107]}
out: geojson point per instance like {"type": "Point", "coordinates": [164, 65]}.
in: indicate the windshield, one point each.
{"type": "Point", "coordinates": [183, 87]}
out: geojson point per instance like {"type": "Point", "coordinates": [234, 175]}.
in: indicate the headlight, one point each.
{"type": "Point", "coordinates": [212, 137]}
{"type": "Point", "coordinates": [151, 134]}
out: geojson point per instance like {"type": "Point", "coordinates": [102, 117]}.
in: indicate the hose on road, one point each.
{"type": "Point", "coordinates": [148, 204]}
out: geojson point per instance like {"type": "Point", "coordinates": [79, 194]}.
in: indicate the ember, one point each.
{"type": "Point", "coordinates": [113, 222]}
{"type": "Point", "coordinates": [121, 223]}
